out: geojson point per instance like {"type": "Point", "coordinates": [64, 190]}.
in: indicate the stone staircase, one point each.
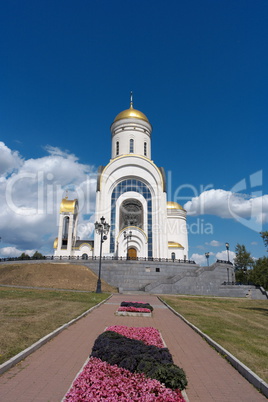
{"type": "Point", "coordinates": [173, 278]}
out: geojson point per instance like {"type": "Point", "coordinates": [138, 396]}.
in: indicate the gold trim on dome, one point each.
{"type": "Point", "coordinates": [172, 244]}
{"type": "Point", "coordinates": [55, 244]}
{"type": "Point", "coordinates": [68, 205]}
{"type": "Point", "coordinates": [174, 205]}
{"type": "Point", "coordinates": [131, 113]}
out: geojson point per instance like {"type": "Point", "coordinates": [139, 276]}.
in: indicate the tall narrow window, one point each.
{"type": "Point", "coordinates": [131, 146]}
{"type": "Point", "coordinates": [145, 149]}
{"type": "Point", "coordinates": [117, 147]}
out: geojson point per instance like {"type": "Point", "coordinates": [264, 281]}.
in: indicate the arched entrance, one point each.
{"type": "Point", "coordinates": [132, 253]}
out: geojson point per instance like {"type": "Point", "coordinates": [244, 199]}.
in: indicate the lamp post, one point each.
{"type": "Point", "coordinates": [127, 237]}
{"type": "Point", "coordinates": [101, 228]}
{"type": "Point", "coordinates": [207, 257]}
{"type": "Point", "coordinates": [227, 249]}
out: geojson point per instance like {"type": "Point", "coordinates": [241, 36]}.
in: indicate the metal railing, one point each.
{"type": "Point", "coordinates": [224, 262]}
{"type": "Point", "coordinates": [95, 258]}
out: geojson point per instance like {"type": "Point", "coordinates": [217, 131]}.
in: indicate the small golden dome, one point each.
{"type": "Point", "coordinates": [172, 244]}
{"type": "Point", "coordinates": [55, 244]}
{"type": "Point", "coordinates": [174, 205]}
{"type": "Point", "coordinates": [68, 205]}
{"type": "Point", "coordinates": [131, 113]}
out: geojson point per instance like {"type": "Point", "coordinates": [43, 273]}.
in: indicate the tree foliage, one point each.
{"type": "Point", "coordinates": [243, 259]}
{"type": "Point", "coordinates": [24, 256]}
{"type": "Point", "coordinates": [38, 256]}
{"type": "Point", "coordinates": [264, 235]}
{"type": "Point", "coordinates": [259, 273]}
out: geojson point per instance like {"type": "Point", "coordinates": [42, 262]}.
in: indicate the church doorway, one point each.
{"type": "Point", "coordinates": [132, 254]}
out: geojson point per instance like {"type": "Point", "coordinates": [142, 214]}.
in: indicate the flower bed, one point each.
{"type": "Point", "coordinates": [148, 335]}
{"type": "Point", "coordinates": [135, 356]}
{"type": "Point", "coordinates": [129, 364]}
{"type": "Point", "coordinates": [136, 304]}
{"type": "Point", "coordinates": [135, 309]}
{"type": "Point", "coordinates": [101, 381]}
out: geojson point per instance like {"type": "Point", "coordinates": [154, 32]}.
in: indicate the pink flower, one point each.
{"type": "Point", "coordinates": [148, 335]}
{"type": "Point", "coordinates": [100, 381]}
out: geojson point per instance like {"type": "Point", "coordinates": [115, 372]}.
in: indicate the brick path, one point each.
{"type": "Point", "coordinates": [46, 375]}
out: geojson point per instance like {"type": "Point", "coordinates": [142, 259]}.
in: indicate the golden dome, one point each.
{"type": "Point", "coordinates": [68, 205]}
{"type": "Point", "coordinates": [174, 205]}
{"type": "Point", "coordinates": [131, 113]}
{"type": "Point", "coordinates": [172, 244]}
{"type": "Point", "coordinates": [55, 244]}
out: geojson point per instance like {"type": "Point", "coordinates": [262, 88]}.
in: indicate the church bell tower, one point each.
{"type": "Point", "coordinates": [131, 195]}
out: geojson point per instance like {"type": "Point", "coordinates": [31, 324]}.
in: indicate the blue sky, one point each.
{"type": "Point", "coordinates": [198, 70]}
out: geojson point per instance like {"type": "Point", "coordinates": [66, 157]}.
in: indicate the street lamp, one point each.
{"type": "Point", "coordinates": [127, 237]}
{"type": "Point", "coordinates": [227, 249]}
{"type": "Point", "coordinates": [101, 228]}
{"type": "Point", "coordinates": [207, 257]}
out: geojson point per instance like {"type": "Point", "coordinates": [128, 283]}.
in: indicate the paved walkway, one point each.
{"type": "Point", "coordinates": [46, 375]}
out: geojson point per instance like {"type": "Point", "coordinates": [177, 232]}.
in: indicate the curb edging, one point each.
{"type": "Point", "coordinates": [245, 371]}
{"type": "Point", "coordinates": [26, 352]}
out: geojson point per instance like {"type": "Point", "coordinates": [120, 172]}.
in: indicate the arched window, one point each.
{"type": "Point", "coordinates": [131, 146]}
{"type": "Point", "coordinates": [145, 149]}
{"type": "Point", "coordinates": [65, 230]}
{"type": "Point", "coordinates": [117, 147]}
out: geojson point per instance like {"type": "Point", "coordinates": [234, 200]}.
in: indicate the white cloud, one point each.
{"type": "Point", "coordinates": [214, 243]}
{"type": "Point", "coordinates": [14, 252]}
{"type": "Point", "coordinates": [10, 160]}
{"type": "Point", "coordinates": [85, 229]}
{"type": "Point", "coordinates": [251, 211]}
{"type": "Point", "coordinates": [200, 247]}
{"type": "Point", "coordinates": [200, 259]}
{"type": "Point", "coordinates": [30, 198]}
{"type": "Point", "coordinates": [222, 255]}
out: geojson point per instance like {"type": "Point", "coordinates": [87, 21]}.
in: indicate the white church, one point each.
{"type": "Point", "coordinates": [131, 196]}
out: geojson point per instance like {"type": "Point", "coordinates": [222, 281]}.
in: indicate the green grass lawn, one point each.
{"type": "Point", "coordinates": [28, 315]}
{"type": "Point", "coordinates": [239, 325]}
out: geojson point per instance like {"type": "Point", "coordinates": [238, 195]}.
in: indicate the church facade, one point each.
{"type": "Point", "coordinates": [131, 196]}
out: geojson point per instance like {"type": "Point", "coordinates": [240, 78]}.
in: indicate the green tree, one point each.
{"type": "Point", "coordinates": [264, 235]}
{"type": "Point", "coordinates": [259, 273]}
{"type": "Point", "coordinates": [242, 261]}
{"type": "Point", "coordinates": [24, 256]}
{"type": "Point", "coordinates": [38, 256]}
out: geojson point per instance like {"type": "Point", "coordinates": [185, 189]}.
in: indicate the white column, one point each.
{"type": "Point", "coordinates": [60, 233]}
{"type": "Point", "coordinates": [75, 228]}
